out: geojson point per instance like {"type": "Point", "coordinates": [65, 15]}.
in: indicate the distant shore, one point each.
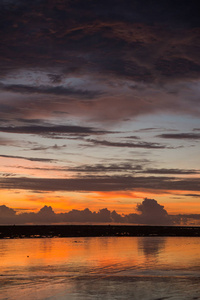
{"type": "Point", "coordinates": [51, 231]}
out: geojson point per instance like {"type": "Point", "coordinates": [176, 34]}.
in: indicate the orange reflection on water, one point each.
{"type": "Point", "coordinates": [20, 252]}
{"type": "Point", "coordinates": [97, 255]}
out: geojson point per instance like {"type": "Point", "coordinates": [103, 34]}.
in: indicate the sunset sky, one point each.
{"type": "Point", "coordinates": [100, 105]}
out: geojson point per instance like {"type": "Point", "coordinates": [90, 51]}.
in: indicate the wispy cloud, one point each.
{"type": "Point", "coordinates": [192, 195]}
{"type": "Point", "coordinates": [52, 90]}
{"type": "Point", "coordinates": [145, 145]}
{"type": "Point", "coordinates": [180, 136]}
{"type": "Point", "coordinates": [54, 147]}
{"type": "Point", "coordinates": [29, 158]}
{"type": "Point", "coordinates": [6, 142]}
{"type": "Point", "coordinates": [101, 183]}
{"type": "Point", "coordinates": [171, 171]}
{"type": "Point", "coordinates": [121, 167]}
{"type": "Point", "coordinates": [52, 130]}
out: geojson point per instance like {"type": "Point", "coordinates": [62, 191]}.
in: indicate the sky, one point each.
{"type": "Point", "coordinates": [100, 111]}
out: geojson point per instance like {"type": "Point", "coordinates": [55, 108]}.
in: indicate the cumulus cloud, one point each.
{"type": "Point", "coordinates": [152, 213]}
{"type": "Point", "coordinates": [149, 213]}
{"type": "Point", "coordinates": [45, 215]}
{"type": "Point", "coordinates": [7, 215]}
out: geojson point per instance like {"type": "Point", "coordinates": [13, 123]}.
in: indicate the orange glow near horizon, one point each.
{"type": "Point", "coordinates": [123, 202]}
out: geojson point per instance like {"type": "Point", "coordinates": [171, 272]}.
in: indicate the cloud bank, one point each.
{"type": "Point", "coordinates": [149, 212]}
{"type": "Point", "coordinates": [101, 183]}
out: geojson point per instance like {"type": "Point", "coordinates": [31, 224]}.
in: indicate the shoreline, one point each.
{"type": "Point", "coordinates": [51, 231]}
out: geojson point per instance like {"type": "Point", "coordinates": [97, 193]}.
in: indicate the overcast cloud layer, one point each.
{"type": "Point", "coordinates": [92, 55]}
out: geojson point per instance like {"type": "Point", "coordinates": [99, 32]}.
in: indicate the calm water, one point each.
{"type": "Point", "coordinates": [100, 268]}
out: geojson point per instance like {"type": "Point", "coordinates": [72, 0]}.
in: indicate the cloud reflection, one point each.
{"type": "Point", "coordinates": [151, 246]}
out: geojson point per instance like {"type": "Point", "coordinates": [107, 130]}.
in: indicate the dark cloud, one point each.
{"type": "Point", "coordinates": [123, 167]}
{"type": "Point", "coordinates": [54, 147]}
{"type": "Point", "coordinates": [191, 216]}
{"type": "Point", "coordinates": [134, 137]}
{"type": "Point", "coordinates": [47, 216]}
{"type": "Point", "coordinates": [83, 216]}
{"type": "Point", "coordinates": [101, 183]}
{"type": "Point", "coordinates": [52, 90]}
{"type": "Point", "coordinates": [146, 145]}
{"type": "Point", "coordinates": [55, 78]}
{"type": "Point", "coordinates": [154, 129]}
{"type": "Point", "coordinates": [96, 168]}
{"type": "Point", "coordinates": [29, 158]}
{"type": "Point", "coordinates": [193, 195]}
{"type": "Point", "coordinates": [180, 136]}
{"type": "Point", "coordinates": [9, 212]}
{"type": "Point", "coordinates": [153, 213]}
{"type": "Point", "coordinates": [171, 171]}
{"type": "Point", "coordinates": [173, 67]}
{"type": "Point", "coordinates": [121, 38]}
{"type": "Point", "coordinates": [192, 219]}
{"type": "Point", "coordinates": [7, 215]}
{"type": "Point", "coordinates": [147, 129]}
{"type": "Point", "coordinates": [7, 174]}
{"type": "Point", "coordinates": [52, 130]}
{"type": "Point", "coordinates": [115, 44]}
{"type": "Point", "coordinates": [149, 212]}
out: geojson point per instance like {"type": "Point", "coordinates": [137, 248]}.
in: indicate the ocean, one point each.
{"type": "Point", "coordinates": [143, 268]}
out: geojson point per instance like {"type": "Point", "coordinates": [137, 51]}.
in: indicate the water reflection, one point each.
{"type": "Point", "coordinates": [110, 254]}
{"type": "Point", "coordinates": [151, 246]}
{"type": "Point", "coordinates": [46, 246]}
{"type": "Point", "coordinates": [99, 268]}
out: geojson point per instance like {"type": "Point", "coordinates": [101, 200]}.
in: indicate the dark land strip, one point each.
{"type": "Point", "coordinates": [50, 231]}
